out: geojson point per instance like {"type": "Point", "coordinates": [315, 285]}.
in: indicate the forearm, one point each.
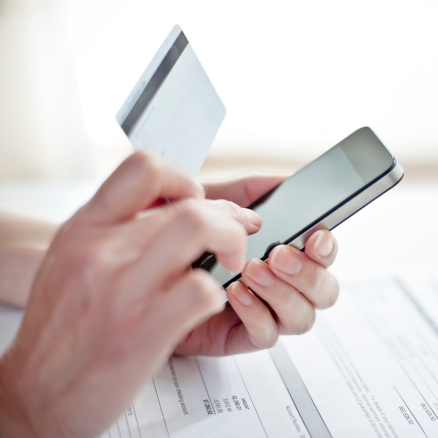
{"type": "Point", "coordinates": [17, 229]}
{"type": "Point", "coordinates": [18, 266]}
{"type": "Point", "coordinates": [23, 243]}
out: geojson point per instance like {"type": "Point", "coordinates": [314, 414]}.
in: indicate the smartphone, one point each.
{"type": "Point", "coordinates": [321, 195]}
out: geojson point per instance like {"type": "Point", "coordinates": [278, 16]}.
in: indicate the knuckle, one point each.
{"type": "Point", "coordinates": [222, 203]}
{"type": "Point", "coordinates": [315, 278]}
{"type": "Point", "coordinates": [198, 282]}
{"type": "Point", "coordinates": [87, 264]}
{"type": "Point", "coordinates": [271, 339]}
{"type": "Point", "coordinates": [241, 236]}
{"type": "Point", "coordinates": [143, 160]}
{"type": "Point", "coordinates": [81, 265]}
{"type": "Point", "coordinates": [146, 164]}
{"type": "Point", "coordinates": [192, 217]}
{"type": "Point", "coordinates": [299, 322]}
{"type": "Point", "coordinates": [239, 215]}
{"type": "Point", "coordinates": [231, 210]}
{"type": "Point", "coordinates": [265, 337]}
{"type": "Point", "coordinates": [307, 324]}
{"type": "Point", "coordinates": [204, 289]}
{"type": "Point", "coordinates": [326, 294]}
{"type": "Point", "coordinates": [333, 294]}
{"type": "Point", "coordinates": [290, 327]}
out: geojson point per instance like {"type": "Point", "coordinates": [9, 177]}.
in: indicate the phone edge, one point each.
{"type": "Point", "coordinates": [348, 209]}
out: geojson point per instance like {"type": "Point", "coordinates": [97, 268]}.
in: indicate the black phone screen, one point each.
{"type": "Point", "coordinates": [310, 194]}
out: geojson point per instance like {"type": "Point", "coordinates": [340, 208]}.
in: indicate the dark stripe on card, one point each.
{"type": "Point", "coordinates": [155, 83]}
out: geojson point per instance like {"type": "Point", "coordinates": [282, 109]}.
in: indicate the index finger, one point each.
{"type": "Point", "coordinates": [136, 184]}
{"type": "Point", "coordinates": [244, 189]}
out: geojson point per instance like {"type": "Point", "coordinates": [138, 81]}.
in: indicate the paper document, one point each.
{"type": "Point", "coordinates": [369, 368]}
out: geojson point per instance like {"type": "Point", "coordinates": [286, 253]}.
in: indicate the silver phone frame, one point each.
{"type": "Point", "coordinates": [352, 206]}
{"type": "Point", "coordinates": [342, 213]}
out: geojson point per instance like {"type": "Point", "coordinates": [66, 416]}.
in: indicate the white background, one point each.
{"type": "Point", "coordinates": [296, 76]}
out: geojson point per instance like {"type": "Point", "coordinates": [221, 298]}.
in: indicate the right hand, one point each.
{"type": "Point", "coordinates": [114, 296]}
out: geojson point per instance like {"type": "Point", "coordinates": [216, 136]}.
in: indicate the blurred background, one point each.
{"type": "Point", "coordinates": [296, 77]}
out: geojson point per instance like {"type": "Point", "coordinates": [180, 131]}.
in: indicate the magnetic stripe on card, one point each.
{"type": "Point", "coordinates": [155, 83]}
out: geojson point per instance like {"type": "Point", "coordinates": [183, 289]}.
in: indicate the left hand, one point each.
{"type": "Point", "coordinates": [282, 293]}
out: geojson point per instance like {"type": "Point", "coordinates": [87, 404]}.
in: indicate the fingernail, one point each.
{"type": "Point", "coordinates": [286, 260]}
{"type": "Point", "coordinates": [253, 217]}
{"type": "Point", "coordinates": [242, 294]}
{"type": "Point", "coordinates": [324, 244]}
{"type": "Point", "coordinates": [259, 273]}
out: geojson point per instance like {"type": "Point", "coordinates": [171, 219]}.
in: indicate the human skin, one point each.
{"type": "Point", "coordinates": [23, 243]}
{"type": "Point", "coordinates": [293, 284]}
{"type": "Point", "coordinates": [115, 296]}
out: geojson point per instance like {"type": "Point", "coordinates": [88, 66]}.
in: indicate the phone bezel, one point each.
{"type": "Point", "coordinates": [330, 219]}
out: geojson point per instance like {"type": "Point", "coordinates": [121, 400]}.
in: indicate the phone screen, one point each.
{"type": "Point", "coordinates": [307, 196]}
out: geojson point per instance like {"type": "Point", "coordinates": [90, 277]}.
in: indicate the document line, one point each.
{"type": "Point", "coordinates": [258, 416]}
{"type": "Point", "coordinates": [407, 406]}
{"type": "Point", "coordinates": [206, 389]}
{"type": "Point", "coordinates": [161, 409]}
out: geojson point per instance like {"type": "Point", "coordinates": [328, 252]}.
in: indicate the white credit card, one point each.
{"type": "Point", "coordinates": [174, 109]}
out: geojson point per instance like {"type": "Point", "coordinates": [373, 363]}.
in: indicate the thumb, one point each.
{"type": "Point", "coordinates": [136, 184]}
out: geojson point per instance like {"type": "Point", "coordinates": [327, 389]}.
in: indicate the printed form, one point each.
{"type": "Point", "coordinates": [369, 368]}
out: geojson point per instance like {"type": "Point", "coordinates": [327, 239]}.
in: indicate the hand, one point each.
{"type": "Point", "coordinates": [283, 292]}
{"type": "Point", "coordinates": [114, 296]}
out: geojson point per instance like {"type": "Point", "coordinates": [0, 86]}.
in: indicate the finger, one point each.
{"type": "Point", "coordinates": [242, 190]}
{"type": "Point", "coordinates": [322, 247]}
{"type": "Point", "coordinates": [295, 313]}
{"type": "Point", "coordinates": [259, 329]}
{"type": "Point", "coordinates": [199, 227]}
{"type": "Point", "coordinates": [143, 229]}
{"type": "Point", "coordinates": [194, 228]}
{"type": "Point", "coordinates": [250, 220]}
{"type": "Point", "coordinates": [136, 184]}
{"type": "Point", "coordinates": [189, 301]}
{"type": "Point", "coordinates": [317, 284]}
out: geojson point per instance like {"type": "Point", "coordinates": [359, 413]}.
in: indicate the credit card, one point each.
{"type": "Point", "coordinates": [174, 108]}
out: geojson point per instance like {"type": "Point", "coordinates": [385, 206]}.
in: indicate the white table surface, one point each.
{"type": "Point", "coordinates": [397, 233]}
